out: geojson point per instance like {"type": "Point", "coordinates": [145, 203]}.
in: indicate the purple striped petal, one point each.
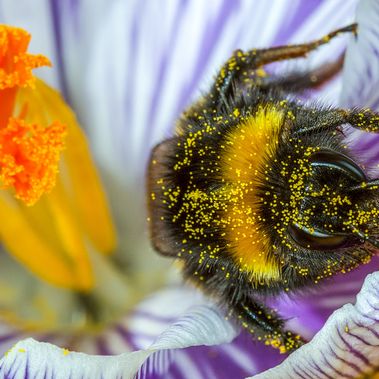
{"type": "Point", "coordinates": [32, 359]}
{"type": "Point", "coordinates": [138, 331]}
{"type": "Point", "coordinates": [307, 312]}
{"type": "Point", "coordinates": [237, 360]}
{"type": "Point", "coordinates": [346, 347]}
{"type": "Point", "coordinates": [155, 314]}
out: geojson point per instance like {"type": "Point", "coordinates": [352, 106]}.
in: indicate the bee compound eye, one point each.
{"type": "Point", "coordinates": [319, 240]}
{"type": "Point", "coordinates": [338, 161]}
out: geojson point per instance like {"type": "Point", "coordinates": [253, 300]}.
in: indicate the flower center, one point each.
{"type": "Point", "coordinates": [63, 242]}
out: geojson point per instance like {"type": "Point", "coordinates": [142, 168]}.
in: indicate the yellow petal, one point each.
{"type": "Point", "coordinates": [42, 256]}
{"type": "Point", "coordinates": [78, 171]}
{"type": "Point", "coordinates": [53, 237]}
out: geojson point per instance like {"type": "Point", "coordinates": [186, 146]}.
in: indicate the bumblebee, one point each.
{"type": "Point", "coordinates": [259, 194]}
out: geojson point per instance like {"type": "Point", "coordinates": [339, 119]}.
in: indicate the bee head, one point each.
{"type": "Point", "coordinates": [335, 209]}
{"type": "Point", "coordinates": [319, 207]}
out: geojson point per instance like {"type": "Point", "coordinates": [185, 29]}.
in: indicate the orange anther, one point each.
{"type": "Point", "coordinates": [29, 156]}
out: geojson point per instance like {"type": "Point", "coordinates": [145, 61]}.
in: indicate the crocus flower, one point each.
{"type": "Point", "coordinates": [128, 69]}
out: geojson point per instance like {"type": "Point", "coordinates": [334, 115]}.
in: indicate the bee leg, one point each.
{"type": "Point", "coordinates": [244, 69]}
{"type": "Point", "coordinates": [362, 119]}
{"type": "Point", "coordinates": [264, 324]}
{"type": "Point", "coordinates": [280, 53]}
{"type": "Point", "coordinates": [300, 81]}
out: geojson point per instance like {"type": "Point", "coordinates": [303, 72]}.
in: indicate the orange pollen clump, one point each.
{"type": "Point", "coordinates": [29, 156]}
{"type": "Point", "coordinates": [15, 63]}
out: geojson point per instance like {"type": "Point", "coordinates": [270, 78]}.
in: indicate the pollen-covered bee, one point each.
{"type": "Point", "coordinates": [258, 193]}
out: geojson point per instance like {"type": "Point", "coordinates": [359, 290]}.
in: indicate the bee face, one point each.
{"type": "Point", "coordinates": [257, 193]}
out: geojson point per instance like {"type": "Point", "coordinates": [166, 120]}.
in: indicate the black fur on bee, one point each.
{"type": "Point", "coordinates": [258, 194]}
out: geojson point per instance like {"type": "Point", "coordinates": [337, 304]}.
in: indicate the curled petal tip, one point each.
{"type": "Point", "coordinates": [347, 345]}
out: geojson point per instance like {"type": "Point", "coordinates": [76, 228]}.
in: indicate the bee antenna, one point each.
{"type": "Point", "coordinates": [371, 185]}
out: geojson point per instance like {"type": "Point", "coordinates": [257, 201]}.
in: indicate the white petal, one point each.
{"type": "Point", "coordinates": [29, 358]}
{"type": "Point", "coordinates": [347, 345]}
{"type": "Point", "coordinates": [361, 75]}
{"type": "Point", "coordinates": [203, 326]}
{"type": "Point", "coordinates": [361, 68]}
{"type": "Point", "coordinates": [32, 359]}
